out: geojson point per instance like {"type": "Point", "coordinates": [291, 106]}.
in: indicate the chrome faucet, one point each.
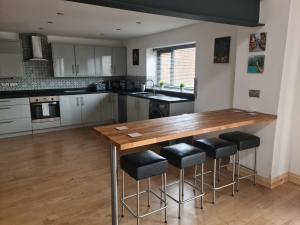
{"type": "Point", "coordinates": [153, 86]}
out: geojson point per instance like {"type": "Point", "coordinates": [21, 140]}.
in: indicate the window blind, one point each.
{"type": "Point", "coordinates": [177, 65]}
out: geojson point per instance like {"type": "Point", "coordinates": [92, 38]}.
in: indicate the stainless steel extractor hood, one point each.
{"type": "Point", "coordinates": [37, 51]}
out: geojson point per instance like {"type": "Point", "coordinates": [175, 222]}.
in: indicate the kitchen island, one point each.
{"type": "Point", "coordinates": [154, 131]}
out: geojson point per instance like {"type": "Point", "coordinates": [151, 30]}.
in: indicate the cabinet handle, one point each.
{"type": "Point", "coordinates": [73, 69]}
{"type": "Point", "coordinates": [82, 101]}
{"type": "Point", "coordinates": [5, 108]}
{"type": "Point", "coordinates": [6, 122]}
{"type": "Point", "coordinates": [77, 68]}
{"type": "Point", "coordinates": [5, 101]}
{"type": "Point", "coordinates": [77, 101]}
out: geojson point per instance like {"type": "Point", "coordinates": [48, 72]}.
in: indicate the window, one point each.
{"type": "Point", "coordinates": [176, 65]}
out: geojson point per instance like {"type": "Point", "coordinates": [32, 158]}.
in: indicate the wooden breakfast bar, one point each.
{"type": "Point", "coordinates": [127, 136]}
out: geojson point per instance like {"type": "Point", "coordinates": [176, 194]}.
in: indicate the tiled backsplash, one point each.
{"type": "Point", "coordinates": [39, 75]}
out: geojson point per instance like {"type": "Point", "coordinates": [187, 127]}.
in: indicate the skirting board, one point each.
{"type": "Point", "coordinates": [275, 182]}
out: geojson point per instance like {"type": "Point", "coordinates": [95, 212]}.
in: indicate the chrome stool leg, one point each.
{"type": "Point", "coordinates": [123, 191]}
{"type": "Point", "coordinates": [138, 203]}
{"type": "Point", "coordinates": [255, 162]}
{"type": "Point", "coordinates": [202, 185]}
{"type": "Point", "coordinates": [180, 193]}
{"type": "Point", "coordinates": [214, 181]}
{"type": "Point", "coordinates": [238, 172]}
{"type": "Point", "coordinates": [219, 168]}
{"type": "Point", "coordinates": [165, 195]}
{"type": "Point", "coordinates": [195, 177]}
{"type": "Point", "coordinates": [233, 175]}
{"type": "Point", "coordinates": [182, 184]}
{"type": "Point", "coordinates": [149, 180]}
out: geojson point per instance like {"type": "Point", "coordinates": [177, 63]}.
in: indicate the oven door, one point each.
{"type": "Point", "coordinates": [45, 111]}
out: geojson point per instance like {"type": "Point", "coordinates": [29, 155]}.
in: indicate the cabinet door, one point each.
{"type": "Point", "coordinates": [91, 105]}
{"type": "Point", "coordinates": [107, 107]}
{"type": "Point", "coordinates": [119, 61]}
{"type": "Point", "coordinates": [63, 60]}
{"type": "Point", "coordinates": [143, 109]}
{"type": "Point", "coordinates": [103, 61]}
{"type": "Point", "coordinates": [85, 61]}
{"type": "Point", "coordinates": [11, 59]}
{"type": "Point", "coordinates": [70, 110]}
{"type": "Point", "coordinates": [132, 114]}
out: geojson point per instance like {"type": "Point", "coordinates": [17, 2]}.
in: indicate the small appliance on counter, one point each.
{"type": "Point", "coordinates": [98, 86]}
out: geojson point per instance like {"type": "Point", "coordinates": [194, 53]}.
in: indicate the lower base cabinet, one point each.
{"type": "Point", "coordinates": [88, 108]}
{"type": "Point", "coordinates": [137, 109]}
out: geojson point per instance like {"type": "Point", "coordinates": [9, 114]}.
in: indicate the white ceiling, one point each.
{"type": "Point", "coordinates": [81, 20]}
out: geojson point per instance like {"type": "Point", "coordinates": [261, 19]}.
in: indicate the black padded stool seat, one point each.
{"type": "Point", "coordinates": [183, 155]}
{"type": "Point", "coordinates": [141, 165]}
{"type": "Point", "coordinates": [216, 147]}
{"type": "Point", "coordinates": [243, 140]}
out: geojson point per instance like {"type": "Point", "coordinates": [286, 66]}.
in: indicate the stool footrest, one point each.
{"type": "Point", "coordinates": [187, 200]}
{"type": "Point", "coordinates": [146, 214]}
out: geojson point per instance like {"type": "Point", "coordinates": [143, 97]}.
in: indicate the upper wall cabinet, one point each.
{"type": "Point", "coordinates": [88, 61]}
{"type": "Point", "coordinates": [85, 61]}
{"type": "Point", "coordinates": [119, 62]}
{"type": "Point", "coordinates": [11, 59]}
{"type": "Point", "coordinates": [63, 56]}
{"type": "Point", "coordinates": [103, 61]}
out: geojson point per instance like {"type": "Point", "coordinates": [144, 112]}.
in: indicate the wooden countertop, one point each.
{"type": "Point", "coordinates": [175, 127]}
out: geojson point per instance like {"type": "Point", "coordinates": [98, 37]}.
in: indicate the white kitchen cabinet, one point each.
{"type": "Point", "coordinates": [15, 116]}
{"type": "Point", "coordinates": [119, 62]}
{"type": "Point", "coordinates": [91, 110]}
{"type": "Point", "coordinates": [70, 110]}
{"type": "Point", "coordinates": [103, 61]}
{"type": "Point", "coordinates": [85, 61]}
{"type": "Point", "coordinates": [137, 109]}
{"type": "Point", "coordinates": [107, 107]}
{"type": "Point", "coordinates": [63, 56]}
{"type": "Point", "coordinates": [11, 59]}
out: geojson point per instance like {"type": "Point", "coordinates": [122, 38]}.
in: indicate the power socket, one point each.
{"type": "Point", "coordinates": [254, 93]}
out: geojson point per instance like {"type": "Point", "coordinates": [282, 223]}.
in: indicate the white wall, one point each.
{"type": "Point", "coordinates": [287, 144]}
{"type": "Point", "coordinates": [215, 81]}
{"type": "Point", "coordinates": [275, 14]}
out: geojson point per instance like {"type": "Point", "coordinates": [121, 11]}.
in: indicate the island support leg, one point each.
{"type": "Point", "coordinates": [114, 186]}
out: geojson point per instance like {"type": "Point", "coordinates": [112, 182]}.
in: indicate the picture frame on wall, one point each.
{"type": "Point", "coordinates": [135, 57]}
{"type": "Point", "coordinates": [256, 64]}
{"type": "Point", "coordinates": [222, 50]}
{"type": "Point", "coordinates": [258, 42]}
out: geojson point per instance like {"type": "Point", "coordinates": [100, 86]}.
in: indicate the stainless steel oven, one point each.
{"type": "Point", "coordinates": [44, 109]}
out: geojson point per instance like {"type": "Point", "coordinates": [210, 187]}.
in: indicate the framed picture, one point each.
{"type": "Point", "coordinates": [222, 50]}
{"type": "Point", "coordinates": [135, 57]}
{"type": "Point", "coordinates": [256, 64]}
{"type": "Point", "coordinates": [258, 42]}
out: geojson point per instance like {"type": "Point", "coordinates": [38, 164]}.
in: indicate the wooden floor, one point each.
{"type": "Point", "coordinates": [62, 178]}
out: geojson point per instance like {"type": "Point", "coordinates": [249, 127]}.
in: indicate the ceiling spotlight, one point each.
{"type": "Point", "coordinates": [60, 14]}
{"type": "Point", "coordinates": [138, 22]}
{"type": "Point", "coordinates": [102, 34]}
{"type": "Point", "coordinates": [118, 29]}
{"type": "Point", "coordinates": [40, 28]}
{"type": "Point", "coordinates": [50, 22]}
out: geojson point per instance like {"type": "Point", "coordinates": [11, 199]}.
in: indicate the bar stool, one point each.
{"type": "Point", "coordinates": [144, 165]}
{"type": "Point", "coordinates": [243, 141]}
{"type": "Point", "coordinates": [182, 156]}
{"type": "Point", "coordinates": [217, 148]}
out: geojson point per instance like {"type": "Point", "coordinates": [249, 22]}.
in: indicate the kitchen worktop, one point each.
{"type": "Point", "coordinates": [59, 92]}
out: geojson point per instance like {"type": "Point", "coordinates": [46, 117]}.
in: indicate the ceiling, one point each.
{"type": "Point", "coordinates": [81, 20]}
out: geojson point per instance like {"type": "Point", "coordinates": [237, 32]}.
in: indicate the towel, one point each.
{"type": "Point", "coordinates": [45, 109]}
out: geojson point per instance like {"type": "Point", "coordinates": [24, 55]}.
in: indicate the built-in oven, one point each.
{"type": "Point", "coordinates": [45, 109]}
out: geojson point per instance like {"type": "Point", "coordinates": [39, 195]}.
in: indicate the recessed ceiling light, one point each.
{"type": "Point", "coordinates": [40, 28]}
{"type": "Point", "coordinates": [50, 22]}
{"type": "Point", "coordinates": [102, 34]}
{"type": "Point", "coordinates": [60, 14]}
{"type": "Point", "coordinates": [118, 29]}
{"type": "Point", "coordinates": [138, 22]}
